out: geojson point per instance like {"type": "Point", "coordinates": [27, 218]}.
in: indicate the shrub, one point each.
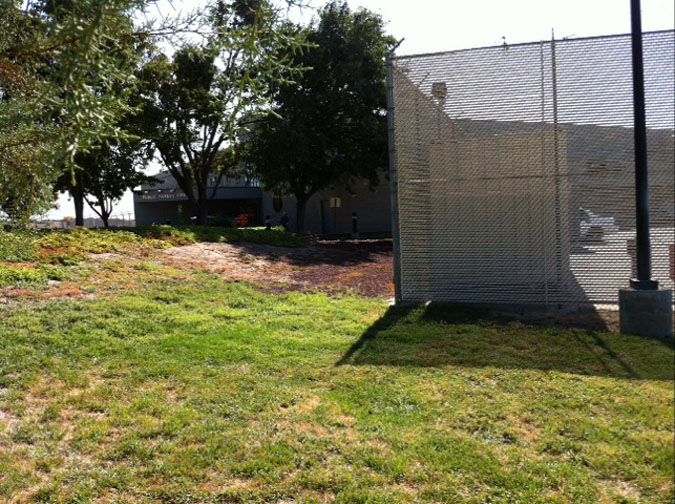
{"type": "Point", "coordinates": [241, 220]}
{"type": "Point", "coordinates": [31, 277]}
{"type": "Point", "coordinates": [182, 235]}
{"type": "Point", "coordinates": [18, 246]}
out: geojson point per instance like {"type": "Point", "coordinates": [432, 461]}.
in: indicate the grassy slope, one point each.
{"type": "Point", "coordinates": [189, 389]}
{"type": "Point", "coordinates": [31, 258]}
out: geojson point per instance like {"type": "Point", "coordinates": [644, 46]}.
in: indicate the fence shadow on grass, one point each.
{"type": "Point", "coordinates": [446, 335]}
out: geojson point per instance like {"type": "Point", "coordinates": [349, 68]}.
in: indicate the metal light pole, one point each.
{"type": "Point", "coordinates": [644, 273]}
{"type": "Point", "coordinates": [644, 309]}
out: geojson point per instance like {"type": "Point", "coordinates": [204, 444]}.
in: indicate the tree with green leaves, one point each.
{"type": "Point", "coordinates": [70, 53]}
{"type": "Point", "coordinates": [93, 176]}
{"type": "Point", "coordinates": [62, 87]}
{"type": "Point", "coordinates": [24, 171]}
{"type": "Point", "coordinates": [24, 183]}
{"type": "Point", "coordinates": [197, 104]}
{"type": "Point", "coordinates": [103, 175]}
{"type": "Point", "coordinates": [330, 126]}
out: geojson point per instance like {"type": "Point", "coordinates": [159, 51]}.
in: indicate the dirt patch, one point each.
{"type": "Point", "coordinates": [311, 404]}
{"type": "Point", "coordinates": [106, 256]}
{"type": "Point", "coordinates": [363, 266]}
{"type": "Point", "coordinates": [53, 290]}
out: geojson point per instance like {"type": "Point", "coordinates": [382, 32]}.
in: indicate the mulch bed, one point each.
{"type": "Point", "coordinates": [364, 266]}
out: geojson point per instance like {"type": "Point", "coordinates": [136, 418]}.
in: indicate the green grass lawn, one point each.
{"type": "Point", "coordinates": [190, 389]}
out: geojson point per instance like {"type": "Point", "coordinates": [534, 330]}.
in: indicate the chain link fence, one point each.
{"type": "Point", "coordinates": [513, 171]}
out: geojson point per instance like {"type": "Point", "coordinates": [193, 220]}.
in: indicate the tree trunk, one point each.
{"type": "Point", "coordinates": [202, 205]}
{"type": "Point", "coordinates": [78, 199]}
{"type": "Point", "coordinates": [301, 207]}
{"type": "Point", "coordinates": [104, 218]}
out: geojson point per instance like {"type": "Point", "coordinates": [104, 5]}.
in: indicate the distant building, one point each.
{"type": "Point", "coordinates": [329, 213]}
{"type": "Point", "coordinates": [166, 203]}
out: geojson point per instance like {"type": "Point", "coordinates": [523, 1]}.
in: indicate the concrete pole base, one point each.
{"type": "Point", "coordinates": [647, 313]}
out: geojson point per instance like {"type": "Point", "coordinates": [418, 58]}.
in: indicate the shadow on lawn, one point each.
{"type": "Point", "coordinates": [335, 253]}
{"type": "Point", "coordinates": [440, 335]}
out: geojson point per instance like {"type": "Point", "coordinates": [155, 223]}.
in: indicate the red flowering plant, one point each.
{"type": "Point", "coordinates": [241, 220]}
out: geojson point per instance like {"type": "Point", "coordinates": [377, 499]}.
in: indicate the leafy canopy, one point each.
{"type": "Point", "coordinates": [63, 88]}
{"type": "Point", "coordinates": [329, 127]}
{"type": "Point", "coordinates": [198, 103]}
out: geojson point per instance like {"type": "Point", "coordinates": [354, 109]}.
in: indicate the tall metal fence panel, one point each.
{"type": "Point", "coordinates": [514, 171]}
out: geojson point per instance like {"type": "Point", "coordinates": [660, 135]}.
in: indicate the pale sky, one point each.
{"type": "Point", "coordinates": [436, 25]}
